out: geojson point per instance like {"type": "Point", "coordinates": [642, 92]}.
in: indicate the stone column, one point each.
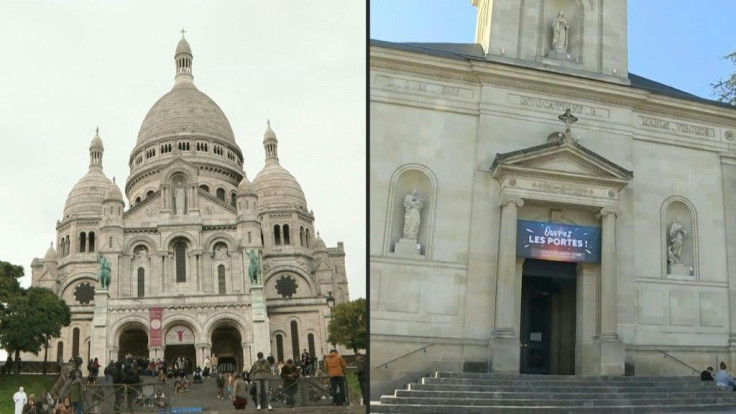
{"type": "Point", "coordinates": [611, 348]}
{"type": "Point", "coordinates": [98, 335]}
{"type": "Point", "coordinates": [728, 166]}
{"type": "Point", "coordinates": [505, 336]}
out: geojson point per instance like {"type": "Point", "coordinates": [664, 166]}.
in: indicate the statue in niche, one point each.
{"type": "Point", "coordinates": [254, 267]}
{"type": "Point", "coordinates": [413, 204]}
{"type": "Point", "coordinates": [560, 30]}
{"type": "Point", "coordinates": [676, 235]}
{"type": "Point", "coordinates": [179, 199]}
{"type": "Point", "coordinates": [220, 252]}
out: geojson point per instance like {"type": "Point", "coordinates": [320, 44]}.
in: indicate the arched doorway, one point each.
{"type": "Point", "coordinates": [133, 341]}
{"type": "Point", "coordinates": [179, 346]}
{"type": "Point", "coordinates": [227, 345]}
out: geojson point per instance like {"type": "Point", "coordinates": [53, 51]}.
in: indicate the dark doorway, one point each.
{"type": "Point", "coordinates": [227, 345]}
{"type": "Point", "coordinates": [187, 352]}
{"type": "Point", "coordinates": [133, 341]}
{"type": "Point", "coordinates": [548, 296]}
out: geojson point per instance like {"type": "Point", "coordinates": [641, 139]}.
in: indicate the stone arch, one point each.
{"type": "Point", "coordinates": [121, 324]}
{"type": "Point", "coordinates": [169, 321]}
{"type": "Point", "coordinates": [139, 239]}
{"type": "Point", "coordinates": [675, 207]}
{"type": "Point", "coordinates": [210, 242]}
{"type": "Point", "coordinates": [403, 181]}
{"type": "Point", "coordinates": [292, 269]}
{"type": "Point", "coordinates": [223, 318]}
{"type": "Point", "coordinates": [167, 244]}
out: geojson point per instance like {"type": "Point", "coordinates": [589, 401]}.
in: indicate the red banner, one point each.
{"type": "Point", "coordinates": [156, 315]}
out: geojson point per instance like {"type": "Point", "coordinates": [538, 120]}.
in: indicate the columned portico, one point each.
{"type": "Point", "coordinates": [567, 177]}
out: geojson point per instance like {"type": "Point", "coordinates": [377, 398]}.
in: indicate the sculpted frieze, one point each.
{"type": "Point", "coordinates": [423, 87]}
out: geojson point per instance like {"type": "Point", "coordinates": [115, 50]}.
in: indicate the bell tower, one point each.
{"type": "Point", "coordinates": [580, 37]}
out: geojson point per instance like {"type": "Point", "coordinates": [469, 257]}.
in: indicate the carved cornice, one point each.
{"type": "Point", "coordinates": [219, 203]}
{"type": "Point", "coordinates": [637, 99]}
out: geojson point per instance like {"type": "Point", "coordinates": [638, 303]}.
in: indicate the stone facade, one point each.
{"type": "Point", "coordinates": [474, 129]}
{"type": "Point", "coordinates": [182, 248]}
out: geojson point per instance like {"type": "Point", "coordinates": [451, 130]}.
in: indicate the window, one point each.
{"type": "Point", "coordinates": [109, 242]}
{"type": "Point", "coordinates": [294, 340]}
{"type": "Point", "coordinates": [301, 236]}
{"type": "Point", "coordinates": [91, 242]}
{"type": "Point", "coordinates": [75, 342]}
{"type": "Point", "coordinates": [221, 278]}
{"type": "Point", "coordinates": [149, 193]}
{"type": "Point", "coordinates": [60, 352]}
{"type": "Point", "coordinates": [286, 235]}
{"type": "Point", "coordinates": [204, 188]}
{"type": "Point", "coordinates": [67, 245]}
{"type": "Point", "coordinates": [82, 242]}
{"type": "Point", "coordinates": [221, 194]}
{"type": "Point", "coordinates": [279, 347]}
{"type": "Point", "coordinates": [137, 200]}
{"type": "Point", "coordinates": [310, 340]}
{"type": "Point", "coordinates": [181, 262]}
{"type": "Point", "coordinates": [232, 199]}
{"type": "Point", "coordinates": [306, 237]}
{"type": "Point", "coordinates": [276, 235]}
{"type": "Point", "coordinates": [141, 282]}
{"type": "Point", "coordinates": [249, 238]}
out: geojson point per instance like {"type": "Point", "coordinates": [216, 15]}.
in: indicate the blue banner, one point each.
{"type": "Point", "coordinates": [558, 242]}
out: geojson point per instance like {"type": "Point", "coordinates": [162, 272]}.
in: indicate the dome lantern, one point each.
{"type": "Point", "coordinates": [183, 58]}
{"type": "Point", "coordinates": [95, 150]}
{"type": "Point", "coordinates": [270, 144]}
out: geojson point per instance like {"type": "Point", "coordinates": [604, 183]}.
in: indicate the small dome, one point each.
{"type": "Point", "coordinates": [319, 244]}
{"type": "Point", "coordinates": [50, 254]}
{"type": "Point", "coordinates": [183, 47]}
{"type": "Point", "coordinates": [113, 193]}
{"type": "Point", "coordinates": [276, 186]}
{"type": "Point", "coordinates": [185, 109]}
{"type": "Point", "coordinates": [269, 135]}
{"type": "Point", "coordinates": [96, 141]}
{"type": "Point", "coordinates": [245, 186]}
{"type": "Point", "coordinates": [86, 197]}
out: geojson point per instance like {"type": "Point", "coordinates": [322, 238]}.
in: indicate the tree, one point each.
{"type": "Point", "coordinates": [347, 326]}
{"type": "Point", "coordinates": [9, 285]}
{"type": "Point", "coordinates": [725, 91]}
{"type": "Point", "coordinates": [32, 318]}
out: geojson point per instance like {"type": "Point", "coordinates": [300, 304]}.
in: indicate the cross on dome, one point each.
{"type": "Point", "coordinates": [182, 32]}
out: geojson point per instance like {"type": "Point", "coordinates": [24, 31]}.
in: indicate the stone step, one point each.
{"type": "Point", "coordinates": [599, 388]}
{"type": "Point", "coordinates": [715, 392]}
{"type": "Point", "coordinates": [490, 402]}
{"type": "Point", "coordinates": [527, 377]}
{"type": "Point", "coordinates": [642, 409]}
{"type": "Point", "coordinates": [571, 383]}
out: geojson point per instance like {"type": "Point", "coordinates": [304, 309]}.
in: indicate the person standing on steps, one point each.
{"type": "Point", "coordinates": [335, 367]}
{"type": "Point", "coordinates": [260, 373]}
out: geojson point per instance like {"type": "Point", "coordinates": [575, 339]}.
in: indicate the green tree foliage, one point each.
{"type": "Point", "coordinates": [9, 285]}
{"type": "Point", "coordinates": [725, 90]}
{"type": "Point", "coordinates": [32, 317]}
{"type": "Point", "coordinates": [347, 326]}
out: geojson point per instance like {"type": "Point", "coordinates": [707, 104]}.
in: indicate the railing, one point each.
{"type": "Point", "coordinates": [385, 364]}
{"type": "Point", "coordinates": [666, 355]}
{"type": "Point", "coordinates": [30, 367]}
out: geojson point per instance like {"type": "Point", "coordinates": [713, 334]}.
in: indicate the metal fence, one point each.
{"type": "Point", "coordinates": [147, 397]}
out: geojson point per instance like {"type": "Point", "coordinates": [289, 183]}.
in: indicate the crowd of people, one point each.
{"type": "Point", "coordinates": [254, 382]}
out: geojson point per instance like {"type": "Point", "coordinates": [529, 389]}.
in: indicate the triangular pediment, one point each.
{"type": "Point", "coordinates": [146, 210]}
{"type": "Point", "coordinates": [212, 206]}
{"type": "Point", "coordinates": [560, 159]}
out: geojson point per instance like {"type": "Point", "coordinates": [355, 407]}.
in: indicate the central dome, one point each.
{"type": "Point", "coordinates": [185, 109]}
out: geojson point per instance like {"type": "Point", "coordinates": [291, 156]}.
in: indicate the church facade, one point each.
{"type": "Point", "coordinates": [204, 261]}
{"type": "Point", "coordinates": [536, 208]}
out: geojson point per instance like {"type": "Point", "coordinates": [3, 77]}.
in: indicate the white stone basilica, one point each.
{"type": "Point", "coordinates": [179, 256]}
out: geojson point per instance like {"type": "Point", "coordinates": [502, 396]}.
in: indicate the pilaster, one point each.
{"type": "Point", "coordinates": [98, 335]}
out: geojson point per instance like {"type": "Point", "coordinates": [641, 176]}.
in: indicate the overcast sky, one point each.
{"type": "Point", "coordinates": [69, 67]}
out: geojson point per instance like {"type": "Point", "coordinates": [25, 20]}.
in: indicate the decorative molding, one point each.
{"type": "Point", "coordinates": [600, 36]}
{"type": "Point", "coordinates": [638, 104]}
{"type": "Point", "coordinates": [423, 87]}
{"type": "Point", "coordinates": [558, 106]}
{"type": "Point", "coordinates": [676, 127]}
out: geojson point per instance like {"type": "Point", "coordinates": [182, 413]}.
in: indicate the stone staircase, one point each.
{"type": "Point", "coordinates": [446, 392]}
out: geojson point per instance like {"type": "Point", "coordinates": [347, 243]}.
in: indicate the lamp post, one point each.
{"type": "Point", "coordinates": [330, 301]}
